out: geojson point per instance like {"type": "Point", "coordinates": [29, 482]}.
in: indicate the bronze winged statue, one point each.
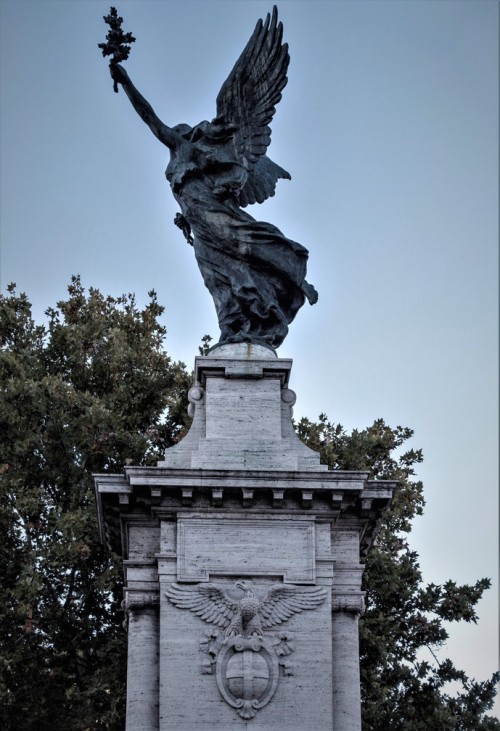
{"type": "Point", "coordinates": [255, 274]}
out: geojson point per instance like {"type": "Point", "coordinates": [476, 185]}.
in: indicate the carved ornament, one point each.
{"type": "Point", "coordinates": [246, 661]}
{"type": "Point", "coordinates": [350, 603]}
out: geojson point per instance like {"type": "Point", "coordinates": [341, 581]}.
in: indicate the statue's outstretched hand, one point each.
{"type": "Point", "coordinates": [118, 73]}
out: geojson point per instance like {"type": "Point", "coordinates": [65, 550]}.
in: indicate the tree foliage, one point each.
{"type": "Point", "coordinates": [89, 392]}
{"type": "Point", "coordinates": [93, 390]}
{"type": "Point", "coordinates": [404, 685]}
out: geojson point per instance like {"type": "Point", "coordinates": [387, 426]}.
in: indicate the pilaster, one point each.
{"type": "Point", "coordinates": [142, 612]}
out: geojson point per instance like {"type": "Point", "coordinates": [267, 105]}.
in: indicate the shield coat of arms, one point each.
{"type": "Point", "coordinates": [247, 673]}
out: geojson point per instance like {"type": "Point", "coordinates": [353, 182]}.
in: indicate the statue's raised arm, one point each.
{"type": "Point", "coordinates": [255, 274]}
{"type": "Point", "coordinates": [143, 108]}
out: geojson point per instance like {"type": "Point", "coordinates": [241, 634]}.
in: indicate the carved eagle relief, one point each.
{"type": "Point", "coordinates": [251, 613]}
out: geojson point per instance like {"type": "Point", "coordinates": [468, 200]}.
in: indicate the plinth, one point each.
{"type": "Point", "coordinates": [242, 563]}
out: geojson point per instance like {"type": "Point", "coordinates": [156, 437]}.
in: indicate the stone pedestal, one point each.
{"type": "Point", "coordinates": [242, 563]}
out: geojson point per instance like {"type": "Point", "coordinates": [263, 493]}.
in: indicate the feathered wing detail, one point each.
{"type": "Point", "coordinates": [207, 601]}
{"type": "Point", "coordinates": [284, 600]}
{"type": "Point", "coordinates": [261, 182]}
{"type": "Point", "coordinates": [247, 103]}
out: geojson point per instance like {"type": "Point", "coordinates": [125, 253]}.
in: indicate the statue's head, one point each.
{"type": "Point", "coordinates": [193, 134]}
{"type": "Point", "coordinates": [199, 130]}
{"type": "Point", "coordinates": [184, 130]}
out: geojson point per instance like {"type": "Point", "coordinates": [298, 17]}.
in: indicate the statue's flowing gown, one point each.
{"type": "Point", "coordinates": [253, 272]}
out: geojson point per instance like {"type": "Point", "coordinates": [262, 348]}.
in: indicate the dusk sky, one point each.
{"type": "Point", "coordinates": [389, 128]}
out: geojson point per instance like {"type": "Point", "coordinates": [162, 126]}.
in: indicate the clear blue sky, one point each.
{"type": "Point", "coordinates": [389, 127]}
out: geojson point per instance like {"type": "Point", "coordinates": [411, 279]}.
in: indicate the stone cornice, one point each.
{"type": "Point", "coordinates": [242, 453]}
{"type": "Point", "coordinates": [242, 367]}
{"type": "Point", "coordinates": [344, 498]}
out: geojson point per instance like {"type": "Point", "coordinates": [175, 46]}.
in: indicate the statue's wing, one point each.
{"type": "Point", "coordinates": [207, 601]}
{"type": "Point", "coordinates": [247, 102]}
{"type": "Point", "coordinates": [261, 181]}
{"type": "Point", "coordinates": [284, 600]}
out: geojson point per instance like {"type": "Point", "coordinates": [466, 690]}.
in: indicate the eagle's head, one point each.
{"type": "Point", "coordinates": [245, 584]}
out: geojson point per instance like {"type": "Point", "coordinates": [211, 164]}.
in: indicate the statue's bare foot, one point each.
{"type": "Point", "coordinates": [310, 292]}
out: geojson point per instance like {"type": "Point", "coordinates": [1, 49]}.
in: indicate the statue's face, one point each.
{"type": "Point", "coordinates": [184, 130]}
{"type": "Point", "coordinates": [193, 134]}
{"type": "Point", "coordinates": [198, 131]}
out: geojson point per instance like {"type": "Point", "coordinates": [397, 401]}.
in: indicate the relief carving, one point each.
{"type": "Point", "coordinates": [351, 603]}
{"type": "Point", "coordinates": [245, 661]}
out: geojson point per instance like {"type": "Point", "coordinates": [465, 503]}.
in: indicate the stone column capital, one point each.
{"type": "Point", "coordinates": [349, 602]}
{"type": "Point", "coordinates": [139, 602]}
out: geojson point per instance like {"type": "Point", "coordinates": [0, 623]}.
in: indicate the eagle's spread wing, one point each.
{"type": "Point", "coordinates": [207, 601]}
{"type": "Point", "coordinates": [247, 102]}
{"type": "Point", "coordinates": [284, 600]}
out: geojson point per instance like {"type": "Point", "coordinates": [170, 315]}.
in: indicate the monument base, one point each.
{"type": "Point", "coordinates": [242, 563]}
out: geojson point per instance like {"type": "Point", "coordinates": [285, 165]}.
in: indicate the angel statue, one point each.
{"type": "Point", "coordinates": [255, 275]}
